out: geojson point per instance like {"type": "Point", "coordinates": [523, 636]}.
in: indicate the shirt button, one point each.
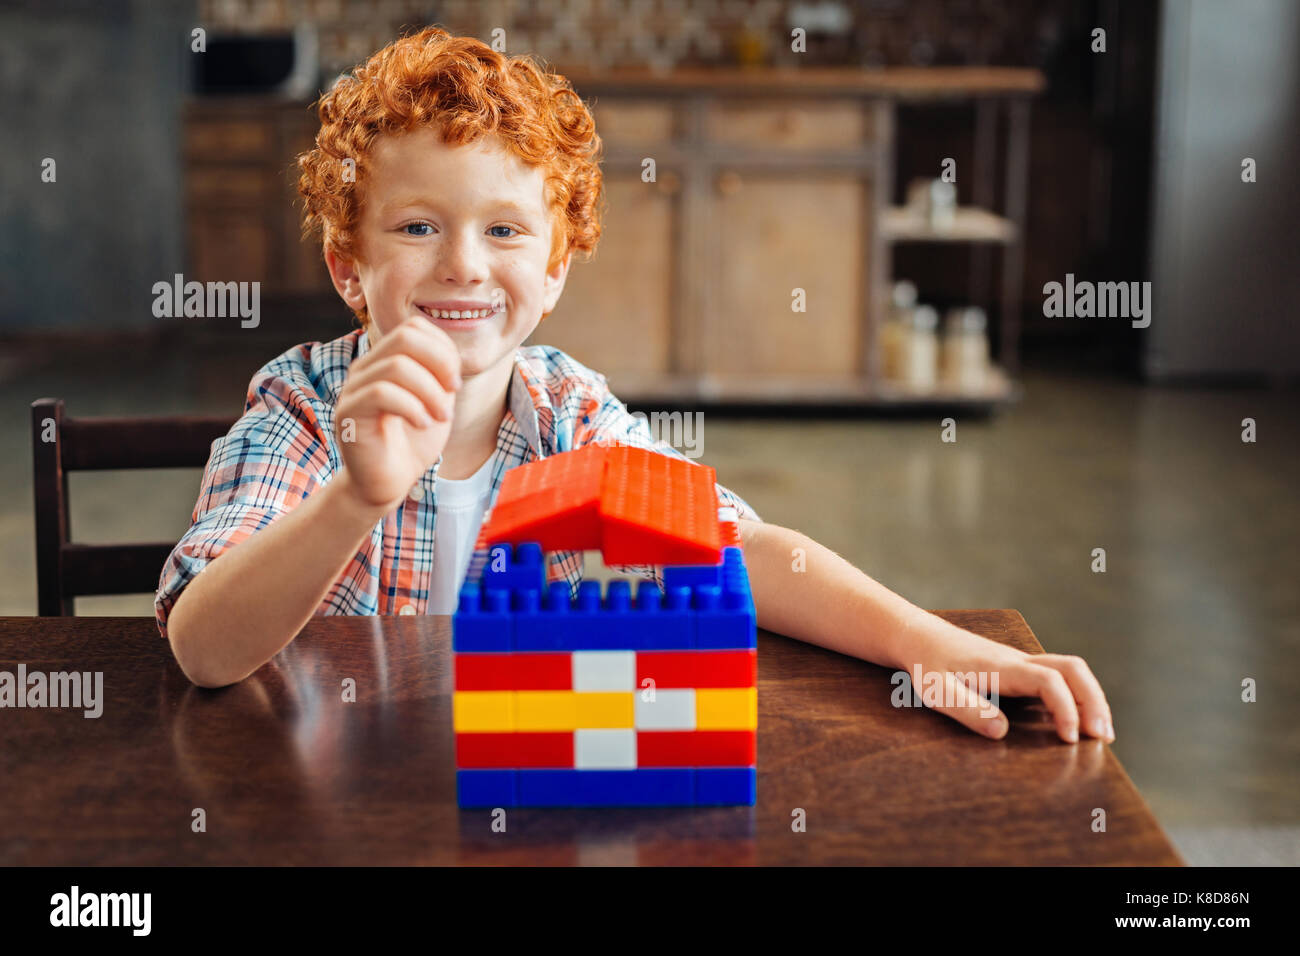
{"type": "Point", "coordinates": [417, 493]}
{"type": "Point", "coordinates": [407, 610]}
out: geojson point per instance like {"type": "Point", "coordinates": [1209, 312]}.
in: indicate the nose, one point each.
{"type": "Point", "coordinates": [461, 260]}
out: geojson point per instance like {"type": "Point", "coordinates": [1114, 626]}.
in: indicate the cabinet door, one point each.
{"type": "Point", "coordinates": [616, 312]}
{"type": "Point", "coordinates": [770, 234]}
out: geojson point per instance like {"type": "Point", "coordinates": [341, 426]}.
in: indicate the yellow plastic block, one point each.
{"type": "Point", "coordinates": [483, 711]}
{"type": "Point", "coordinates": [545, 710]}
{"type": "Point", "coordinates": [726, 708]}
{"type": "Point", "coordinates": [557, 710]}
{"type": "Point", "coordinates": [605, 709]}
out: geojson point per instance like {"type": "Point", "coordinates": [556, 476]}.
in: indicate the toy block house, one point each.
{"type": "Point", "coordinates": [607, 700]}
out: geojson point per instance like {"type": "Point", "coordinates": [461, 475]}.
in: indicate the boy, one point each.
{"type": "Point", "coordinates": [452, 186]}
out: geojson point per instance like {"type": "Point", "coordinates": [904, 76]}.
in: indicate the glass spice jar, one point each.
{"type": "Point", "coordinates": [921, 354]}
{"type": "Point", "coordinates": [965, 350]}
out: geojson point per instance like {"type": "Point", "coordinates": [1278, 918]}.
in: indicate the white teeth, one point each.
{"type": "Point", "coordinates": [458, 313]}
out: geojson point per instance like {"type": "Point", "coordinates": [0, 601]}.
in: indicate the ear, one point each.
{"type": "Point", "coordinates": [554, 283]}
{"type": "Point", "coordinates": [346, 279]}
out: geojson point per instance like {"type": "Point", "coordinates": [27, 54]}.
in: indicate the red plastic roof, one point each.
{"type": "Point", "coordinates": [634, 505]}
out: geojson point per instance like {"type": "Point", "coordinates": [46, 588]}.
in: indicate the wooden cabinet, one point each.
{"type": "Point", "coordinates": [742, 271]}
{"type": "Point", "coordinates": [787, 124]}
{"type": "Point", "coordinates": [772, 235]}
{"type": "Point", "coordinates": [618, 310]}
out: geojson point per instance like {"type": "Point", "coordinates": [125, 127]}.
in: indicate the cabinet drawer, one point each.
{"type": "Point", "coordinates": [235, 138]}
{"type": "Point", "coordinates": [629, 122]}
{"type": "Point", "coordinates": [789, 124]}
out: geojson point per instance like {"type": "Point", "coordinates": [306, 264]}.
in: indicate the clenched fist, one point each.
{"type": "Point", "coordinates": [398, 399]}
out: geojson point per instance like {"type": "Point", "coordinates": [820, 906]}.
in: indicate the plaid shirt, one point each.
{"type": "Point", "coordinates": [283, 449]}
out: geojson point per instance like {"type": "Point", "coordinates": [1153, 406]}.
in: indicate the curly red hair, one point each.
{"type": "Point", "coordinates": [468, 90]}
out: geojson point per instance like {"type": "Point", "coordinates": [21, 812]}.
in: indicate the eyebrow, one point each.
{"type": "Point", "coordinates": [509, 206]}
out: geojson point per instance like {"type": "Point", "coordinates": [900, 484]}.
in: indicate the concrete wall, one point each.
{"type": "Point", "coordinates": [1225, 254]}
{"type": "Point", "coordinates": [96, 85]}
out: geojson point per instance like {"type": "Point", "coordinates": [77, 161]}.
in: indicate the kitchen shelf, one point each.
{"type": "Point", "coordinates": [970, 224]}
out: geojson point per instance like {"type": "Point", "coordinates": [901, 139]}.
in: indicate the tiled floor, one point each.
{"type": "Point", "coordinates": [1199, 529]}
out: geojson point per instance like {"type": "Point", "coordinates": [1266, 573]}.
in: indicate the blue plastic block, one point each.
{"type": "Point", "coordinates": [726, 786]}
{"type": "Point", "coordinates": [594, 624]}
{"type": "Point", "coordinates": [709, 607]}
{"type": "Point", "coordinates": [487, 788]}
{"type": "Point", "coordinates": [544, 628]}
{"type": "Point", "coordinates": [522, 570]}
{"type": "Point", "coordinates": [690, 575]}
{"type": "Point", "coordinates": [724, 616]}
{"type": "Point", "coordinates": [482, 622]}
{"type": "Point", "coordinates": [607, 788]}
{"type": "Point", "coordinates": [656, 622]}
{"type": "Point", "coordinates": [601, 623]}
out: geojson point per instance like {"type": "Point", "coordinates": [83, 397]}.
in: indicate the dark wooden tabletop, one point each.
{"type": "Point", "coordinates": [286, 772]}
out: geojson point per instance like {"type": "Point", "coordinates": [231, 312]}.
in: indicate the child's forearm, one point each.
{"type": "Point", "coordinates": [804, 590]}
{"type": "Point", "coordinates": [251, 600]}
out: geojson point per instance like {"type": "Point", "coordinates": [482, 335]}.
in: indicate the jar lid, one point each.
{"type": "Point", "coordinates": [925, 318]}
{"type": "Point", "coordinates": [904, 294]}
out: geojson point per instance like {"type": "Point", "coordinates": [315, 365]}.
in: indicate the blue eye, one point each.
{"type": "Point", "coordinates": [511, 228]}
{"type": "Point", "coordinates": [417, 225]}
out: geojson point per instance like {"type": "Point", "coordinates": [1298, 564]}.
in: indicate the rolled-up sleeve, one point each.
{"type": "Point", "coordinates": [606, 419]}
{"type": "Point", "coordinates": [273, 458]}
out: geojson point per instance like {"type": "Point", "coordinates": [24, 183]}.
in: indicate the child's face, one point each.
{"type": "Point", "coordinates": [443, 224]}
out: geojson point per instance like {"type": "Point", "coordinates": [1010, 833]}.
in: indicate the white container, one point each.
{"type": "Point", "coordinates": [894, 330]}
{"type": "Point", "coordinates": [921, 352]}
{"type": "Point", "coordinates": [964, 360]}
{"type": "Point", "coordinates": [934, 202]}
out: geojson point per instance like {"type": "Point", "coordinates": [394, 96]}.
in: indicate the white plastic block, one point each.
{"type": "Point", "coordinates": [604, 749]}
{"type": "Point", "coordinates": [604, 670]}
{"type": "Point", "coordinates": [667, 710]}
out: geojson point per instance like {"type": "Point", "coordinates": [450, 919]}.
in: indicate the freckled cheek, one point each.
{"type": "Point", "coordinates": [520, 281]}
{"type": "Point", "coordinates": [401, 279]}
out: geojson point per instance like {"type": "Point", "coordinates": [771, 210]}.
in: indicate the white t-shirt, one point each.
{"type": "Point", "coordinates": [460, 508]}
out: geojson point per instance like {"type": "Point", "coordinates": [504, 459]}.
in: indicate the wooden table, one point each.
{"type": "Point", "coordinates": [288, 773]}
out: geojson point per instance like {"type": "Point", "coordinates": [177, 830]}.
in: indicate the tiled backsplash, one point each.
{"type": "Point", "coordinates": [662, 34]}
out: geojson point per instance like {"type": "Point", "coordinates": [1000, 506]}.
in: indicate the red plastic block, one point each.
{"type": "Point", "coordinates": [531, 749]}
{"type": "Point", "coordinates": [656, 509]}
{"type": "Point", "coordinates": [489, 671]}
{"type": "Point", "coordinates": [554, 501]}
{"type": "Point", "coordinates": [552, 671]}
{"type": "Point", "coordinates": [696, 748]}
{"type": "Point", "coordinates": [666, 668]}
{"type": "Point", "coordinates": [636, 505]}
{"type": "Point", "coordinates": [727, 668]}
{"type": "Point", "coordinates": [737, 668]}
{"type": "Point", "coordinates": [730, 534]}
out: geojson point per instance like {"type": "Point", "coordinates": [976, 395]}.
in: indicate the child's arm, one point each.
{"type": "Point", "coordinates": [832, 604]}
{"type": "Point", "coordinates": [252, 599]}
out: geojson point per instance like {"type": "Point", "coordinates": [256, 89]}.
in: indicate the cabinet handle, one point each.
{"type": "Point", "coordinates": [729, 183]}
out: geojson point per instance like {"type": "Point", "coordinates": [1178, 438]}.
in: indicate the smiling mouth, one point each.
{"type": "Point", "coordinates": [458, 313]}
